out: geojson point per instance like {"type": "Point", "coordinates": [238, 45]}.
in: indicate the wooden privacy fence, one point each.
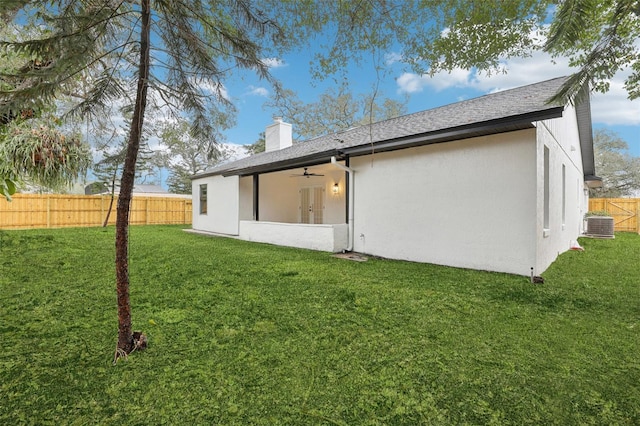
{"type": "Point", "coordinates": [624, 211]}
{"type": "Point", "coordinates": [59, 211]}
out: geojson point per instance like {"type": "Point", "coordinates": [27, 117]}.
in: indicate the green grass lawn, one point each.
{"type": "Point", "coordinates": [244, 333]}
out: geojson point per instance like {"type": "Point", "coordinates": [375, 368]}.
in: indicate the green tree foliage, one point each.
{"type": "Point", "coordinates": [336, 110]}
{"type": "Point", "coordinates": [35, 149]}
{"type": "Point", "coordinates": [619, 170]}
{"type": "Point", "coordinates": [600, 37]}
{"type": "Point", "coordinates": [108, 168]}
{"type": "Point", "coordinates": [108, 133]}
{"type": "Point", "coordinates": [258, 146]}
{"type": "Point", "coordinates": [38, 153]}
{"type": "Point", "coordinates": [106, 171]}
{"type": "Point", "coordinates": [187, 155]}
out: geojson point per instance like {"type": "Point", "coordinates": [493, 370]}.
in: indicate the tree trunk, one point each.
{"type": "Point", "coordinates": [126, 342]}
{"type": "Point", "coordinates": [113, 196]}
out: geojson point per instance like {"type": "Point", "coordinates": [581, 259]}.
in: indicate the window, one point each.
{"type": "Point", "coordinates": [564, 195]}
{"type": "Point", "coordinates": [203, 199]}
{"type": "Point", "coordinates": [546, 189]}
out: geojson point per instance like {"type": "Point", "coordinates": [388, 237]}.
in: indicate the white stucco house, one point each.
{"type": "Point", "coordinates": [493, 183]}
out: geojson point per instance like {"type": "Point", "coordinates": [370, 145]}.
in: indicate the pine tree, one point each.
{"type": "Point", "coordinates": [111, 44]}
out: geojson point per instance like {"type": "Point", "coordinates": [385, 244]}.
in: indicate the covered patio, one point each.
{"type": "Point", "coordinates": [303, 207]}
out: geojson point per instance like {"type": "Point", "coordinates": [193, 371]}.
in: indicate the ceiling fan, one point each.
{"type": "Point", "coordinates": [306, 174]}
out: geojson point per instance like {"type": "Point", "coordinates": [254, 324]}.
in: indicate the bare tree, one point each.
{"type": "Point", "coordinates": [336, 110]}
{"type": "Point", "coordinates": [619, 170]}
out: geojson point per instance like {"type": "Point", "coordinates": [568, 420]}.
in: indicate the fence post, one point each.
{"type": "Point", "coordinates": [184, 211]}
{"type": "Point", "coordinates": [48, 211]}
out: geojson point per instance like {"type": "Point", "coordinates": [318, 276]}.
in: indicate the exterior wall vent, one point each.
{"type": "Point", "coordinates": [600, 227]}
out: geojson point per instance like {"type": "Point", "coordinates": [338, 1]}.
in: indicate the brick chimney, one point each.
{"type": "Point", "coordinates": [278, 135]}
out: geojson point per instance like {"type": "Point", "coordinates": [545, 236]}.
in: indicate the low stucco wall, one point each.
{"type": "Point", "coordinates": [331, 238]}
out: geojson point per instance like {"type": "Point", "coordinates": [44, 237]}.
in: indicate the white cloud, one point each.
{"type": "Point", "coordinates": [412, 83]}
{"type": "Point", "coordinates": [393, 57]}
{"type": "Point", "coordinates": [523, 71]}
{"type": "Point", "coordinates": [258, 91]}
{"type": "Point", "coordinates": [612, 108]}
{"type": "Point", "coordinates": [273, 62]}
{"type": "Point", "coordinates": [215, 88]}
{"type": "Point", "coordinates": [235, 151]}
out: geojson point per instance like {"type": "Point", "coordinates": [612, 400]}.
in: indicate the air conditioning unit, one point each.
{"type": "Point", "coordinates": [600, 227]}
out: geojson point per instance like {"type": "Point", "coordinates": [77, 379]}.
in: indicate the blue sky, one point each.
{"type": "Point", "coordinates": [611, 110]}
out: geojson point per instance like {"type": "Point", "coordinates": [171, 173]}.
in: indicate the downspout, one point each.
{"type": "Point", "coordinates": [351, 200]}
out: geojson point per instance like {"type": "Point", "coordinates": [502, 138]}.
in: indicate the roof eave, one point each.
{"type": "Point", "coordinates": [307, 160]}
{"type": "Point", "coordinates": [206, 174]}
{"type": "Point", "coordinates": [593, 181]}
{"type": "Point", "coordinates": [585, 133]}
{"type": "Point", "coordinates": [502, 125]}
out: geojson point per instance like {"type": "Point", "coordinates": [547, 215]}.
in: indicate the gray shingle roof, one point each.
{"type": "Point", "coordinates": [489, 114]}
